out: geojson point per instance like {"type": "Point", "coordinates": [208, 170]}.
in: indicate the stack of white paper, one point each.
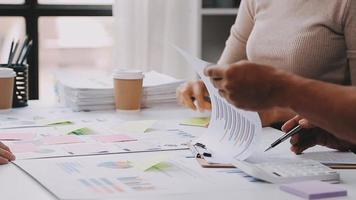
{"type": "Point", "coordinates": [94, 90]}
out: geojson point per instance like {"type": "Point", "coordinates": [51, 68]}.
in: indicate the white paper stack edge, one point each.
{"type": "Point", "coordinates": [93, 90]}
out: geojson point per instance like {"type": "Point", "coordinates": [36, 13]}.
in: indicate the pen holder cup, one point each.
{"type": "Point", "coordinates": [20, 95]}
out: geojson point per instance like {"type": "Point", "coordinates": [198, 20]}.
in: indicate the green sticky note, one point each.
{"type": "Point", "coordinates": [160, 166]}
{"type": "Point", "coordinates": [196, 121]}
{"type": "Point", "coordinates": [80, 131]}
{"type": "Point", "coordinates": [150, 162]}
{"type": "Point", "coordinates": [59, 123]}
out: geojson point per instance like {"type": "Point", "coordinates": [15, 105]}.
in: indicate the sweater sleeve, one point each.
{"type": "Point", "coordinates": [235, 47]}
{"type": "Point", "coordinates": [350, 38]}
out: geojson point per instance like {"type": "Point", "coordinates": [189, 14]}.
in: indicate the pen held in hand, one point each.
{"type": "Point", "coordinates": [290, 133]}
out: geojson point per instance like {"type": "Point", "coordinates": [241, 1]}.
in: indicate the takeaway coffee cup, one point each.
{"type": "Point", "coordinates": [128, 90]}
{"type": "Point", "coordinates": [7, 77]}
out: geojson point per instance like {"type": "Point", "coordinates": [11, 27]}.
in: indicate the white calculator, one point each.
{"type": "Point", "coordinates": [288, 171]}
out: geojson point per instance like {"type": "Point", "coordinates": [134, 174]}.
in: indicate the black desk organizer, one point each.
{"type": "Point", "coordinates": [20, 95]}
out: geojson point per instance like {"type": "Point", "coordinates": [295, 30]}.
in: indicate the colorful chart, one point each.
{"type": "Point", "coordinates": [70, 167]}
{"type": "Point", "coordinates": [101, 185]}
{"type": "Point", "coordinates": [116, 164]}
{"type": "Point", "coordinates": [136, 183]}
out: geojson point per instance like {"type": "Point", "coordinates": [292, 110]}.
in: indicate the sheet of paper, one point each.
{"type": "Point", "coordinates": [85, 149]}
{"type": "Point", "coordinates": [135, 126]}
{"type": "Point", "coordinates": [113, 138]}
{"type": "Point", "coordinates": [63, 139]}
{"type": "Point", "coordinates": [17, 136]}
{"type": "Point", "coordinates": [196, 121]}
{"type": "Point", "coordinates": [232, 133]}
{"type": "Point", "coordinates": [22, 148]}
{"type": "Point", "coordinates": [116, 176]}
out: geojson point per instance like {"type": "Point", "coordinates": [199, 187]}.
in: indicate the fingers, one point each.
{"type": "Point", "coordinates": [188, 100]}
{"type": "Point", "coordinates": [7, 155]}
{"type": "Point", "coordinates": [3, 161]}
{"type": "Point", "coordinates": [184, 96]}
{"type": "Point", "coordinates": [3, 146]}
{"type": "Point", "coordinates": [297, 120]}
{"type": "Point", "coordinates": [193, 94]}
{"type": "Point", "coordinates": [215, 72]}
{"type": "Point", "coordinates": [301, 142]}
{"type": "Point", "coordinates": [291, 123]}
{"type": "Point", "coordinates": [199, 97]}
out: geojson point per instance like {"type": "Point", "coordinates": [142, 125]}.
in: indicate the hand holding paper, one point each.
{"type": "Point", "coordinates": [248, 85]}
{"type": "Point", "coordinates": [232, 132]}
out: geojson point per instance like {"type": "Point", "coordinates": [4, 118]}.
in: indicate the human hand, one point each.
{"type": "Point", "coordinates": [5, 154]}
{"type": "Point", "coordinates": [311, 136]}
{"type": "Point", "coordinates": [192, 91]}
{"type": "Point", "coordinates": [275, 115]}
{"type": "Point", "coordinates": [251, 86]}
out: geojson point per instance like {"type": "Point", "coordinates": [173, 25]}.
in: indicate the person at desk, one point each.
{"type": "Point", "coordinates": [5, 154]}
{"type": "Point", "coordinates": [314, 39]}
{"type": "Point", "coordinates": [328, 110]}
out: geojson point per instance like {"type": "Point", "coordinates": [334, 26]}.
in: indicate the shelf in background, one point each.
{"type": "Point", "coordinates": [219, 11]}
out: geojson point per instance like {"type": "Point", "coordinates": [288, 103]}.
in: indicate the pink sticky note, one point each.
{"type": "Point", "coordinates": [17, 136]}
{"type": "Point", "coordinates": [113, 138]}
{"type": "Point", "coordinates": [64, 139]}
{"type": "Point", "coordinates": [22, 148]}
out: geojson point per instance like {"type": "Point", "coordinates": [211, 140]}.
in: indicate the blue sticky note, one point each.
{"type": "Point", "coordinates": [314, 189]}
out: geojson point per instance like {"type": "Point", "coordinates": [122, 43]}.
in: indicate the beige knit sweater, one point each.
{"type": "Point", "coordinates": [312, 38]}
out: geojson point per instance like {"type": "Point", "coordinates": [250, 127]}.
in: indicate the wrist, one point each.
{"type": "Point", "coordinates": [288, 87]}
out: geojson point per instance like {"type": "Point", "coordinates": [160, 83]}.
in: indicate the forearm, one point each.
{"type": "Point", "coordinates": [331, 107]}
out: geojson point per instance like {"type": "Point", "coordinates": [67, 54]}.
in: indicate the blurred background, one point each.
{"type": "Point", "coordinates": [116, 33]}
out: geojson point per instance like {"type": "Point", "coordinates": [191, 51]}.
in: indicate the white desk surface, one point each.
{"type": "Point", "coordinates": [16, 185]}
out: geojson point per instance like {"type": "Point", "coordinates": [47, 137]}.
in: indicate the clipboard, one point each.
{"type": "Point", "coordinates": [199, 151]}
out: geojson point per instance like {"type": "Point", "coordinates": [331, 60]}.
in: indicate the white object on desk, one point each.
{"type": "Point", "coordinates": [288, 171]}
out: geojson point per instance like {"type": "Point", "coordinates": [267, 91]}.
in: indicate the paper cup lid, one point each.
{"type": "Point", "coordinates": [128, 74]}
{"type": "Point", "coordinates": [7, 73]}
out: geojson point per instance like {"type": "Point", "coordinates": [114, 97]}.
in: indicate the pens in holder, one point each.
{"type": "Point", "coordinates": [27, 51]}
{"type": "Point", "coordinates": [10, 54]}
{"type": "Point", "coordinates": [19, 52]}
{"type": "Point", "coordinates": [292, 132]}
{"type": "Point", "coordinates": [25, 43]}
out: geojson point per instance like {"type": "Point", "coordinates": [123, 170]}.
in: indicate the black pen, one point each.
{"type": "Point", "coordinates": [11, 49]}
{"type": "Point", "coordinates": [290, 133]}
{"type": "Point", "coordinates": [27, 51]}
{"type": "Point", "coordinates": [22, 49]}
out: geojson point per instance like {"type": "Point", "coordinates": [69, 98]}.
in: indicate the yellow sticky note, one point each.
{"type": "Point", "coordinates": [196, 121]}
{"type": "Point", "coordinates": [135, 126]}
